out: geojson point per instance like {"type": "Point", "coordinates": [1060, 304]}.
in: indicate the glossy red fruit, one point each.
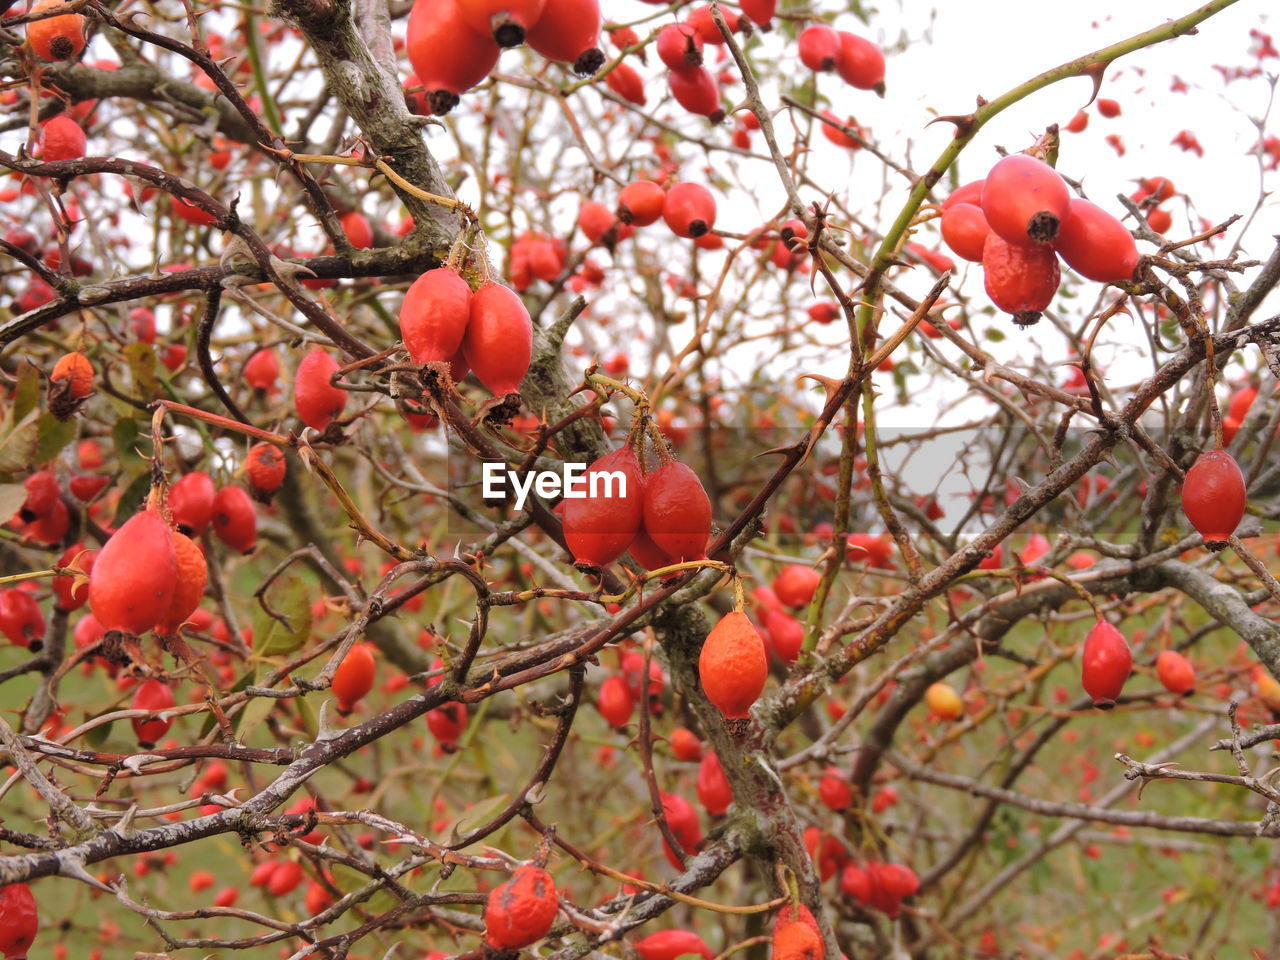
{"type": "Point", "coordinates": [135, 575]}
{"type": "Point", "coordinates": [358, 229]}
{"type": "Point", "coordinates": [627, 83]}
{"type": "Point", "coordinates": [1108, 108]}
{"type": "Point", "coordinates": [640, 203]}
{"type": "Point", "coordinates": [760, 12]}
{"type": "Point", "coordinates": [192, 574]}
{"type": "Point", "coordinates": [714, 791]}
{"type": "Point", "coordinates": [61, 138]}
{"type": "Point", "coordinates": [152, 695]}
{"type": "Point", "coordinates": [797, 941]}
{"type": "Point", "coordinates": [672, 944]}
{"type": "Point", "coordinates": [898, 881]}
{"type": "Point", "coordinates": [286, 878]}
{"type": "Point", "coordinates": [70, 595]}
{"type": "Point", "coordinates": [42, 495]}
{"type": "Point", "coordinates": [1095, 244]}
{"type": "Point", "coordinates": [56, 38]}
{"type": "Point", "coordinates": [76, 371]}
{"type": "Point", "coordinates": [569, 31]}
{"type": "Point", "coordinates": [696, 91]}
{"type": "Point", "coordinates": [685, 744]}
{"type": "Point", "coordinates": [1024, 199]}
{"type": "Point", "coordinates": [354, 676]}
{"type": "Point", "coordinates": [701, 19]}
{"type": "Point", "coordinates": [599, 224]}
{"type": "Point", "coordinates": [834, 790]}
{"type": "Point", "coordinates": [448, 56]}
{"type": "Point", "coordinates": [1175, 672]}
{"type": "Point", "coordinates": [434, 316]}
{"type": "Point", "coordinates": [1213, 497]}
{"type": "Point", "coordinates": [679, 46]}
{"type": "Point", "coordinates": [860, 62]}
{"type": "Point", "coordinates": [1020, 280]}
{"type": "Point", "coordinates": [733, 667]}
{"type": "Point", "coordinates": [614, 701]}
{"type": "Point", "coordinates": [690, 210]}
{"type": "Point", "coordinates": [965, 230]}
{"type": "Point", "coordinates": [647, 553]}
{"type": "Point", "coordinates": [21, 619]}
{"type": "Point", "coordinates": [522, 910]}
{"type": "Point", "coordinates": [786, 634]}
{"type": "Point", "coordinates": [234, 519]}
{"type": "Point", "coordinates": [317, 401]}
{"type": "Point", "coordinates": [683, 821]}
{"type": "Point", "coordinates": [795, 584]}
{"type": "Point", "coordinates": [498, 344]}
{"type": "Point", "coordinates": [598, 530]}
{"type": "Point", "coordinates": [1106, 665]}
{"type": "Point", "coordinates": [191, 502]}
{"type": "Point", "coordinates": [971, 192]}
{"type": "Point", "coordinates": [677, 512]}
{"type": "Point", "coordinates": [819, 47]}
{"type": "Point", "coordinates": [190, 213]}
{"type": "Point", "coordinates": [19, 918]}
{"type": "Point", "coordinates": [262, 370]}
{"type": "Point", "coordinates": [265, 469]}
{"type": "Point", "coordinates": [507, 21]}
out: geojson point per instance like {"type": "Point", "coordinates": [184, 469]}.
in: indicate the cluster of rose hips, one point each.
{"type": "Point", "coordinates": [1018, 221]}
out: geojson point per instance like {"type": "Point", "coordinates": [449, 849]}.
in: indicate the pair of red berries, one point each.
{"type": "Point", "coordinates": [488, 331]}
{"type": "Point", "coordinates": [679, 46]}
{"type": "Point", "coordinates": [454, 44]}
{"type": "Point", "coordinates": [1018, 221]}
{"type": "Point", "coordinates": [662, 518]}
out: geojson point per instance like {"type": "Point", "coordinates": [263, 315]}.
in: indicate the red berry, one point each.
{"type": "Point", "coordinates": [135, 575]}
{"type": "Point", "coordinates": [1095, 244]}
{"type": "Point", "coordinates": [262, 370]}
{"type": "Point", "coordinates": [506, 20]}
{"type": "Point", "coordinates": [627, 83]}
{"type": "Point", "coordinates": [448, 56]}
{"type": "Point", "coordinates": [434, 316]}
{"type": "Point", "coordinates": [679, 46]}
{"type": "Point", "coordinates": [819, 47]}
{"type": "Point", "coordinates": [358, 230]}
{"type": "Point", "coordinates": [732, 666]}
{"type": "Point", "coordinates": [640, 203]}
{"type": "Point", "coordinates": [685, 744]}
{"type": "Point", "coordinates": [677, 512]}
{"type": "Point", "coordinates": [834, 789]}
{"type": "Point", "coordinates": [152, 695]}
{"type": "Point", "coordinates": [1175, 672]}
{"type": "Point", "coordinates": [522, 910]}
{"type": "Point", "coordinates": [796, 584]}
{"type": "Point", "coordinates": [316, 399]}
{"type": "Point", "coordinates": [498, 344]}
{"type": "Point", "coordinates": [860, 63]}
{"type": "Point", "coordinates": [19, 918]}
{"type": "Point", "coordinates": [696, 91]}
{"type": "Point", "coordinates": [56, 38]}
{"type": "Point", "coordinates": [713, 786]}
{"type": "Point", "coordinates": [598, 530]}
{"type": "Point", "coordinates": [21, 619]}
{"type": "Point", "coordinates": [1107, 662]}
{"type": "Point", "coordinates": [1020, 280]}
{"type": "Point", "coordinates": [965, 230]}
{"type": "Point", "coordinates": [192, 574]}
{"type": "Point", "coordinates": [672, 944]}
{"type": "Point", "coordinates": [191, 502]}
{"type": "Point", "coordinates": [265, 468]}
{"type": "Point", "coordinates": [690, 210]}
{"type": "Point", "coordinates": [1024, 199]}
{"type": "Point", "coordinates": [568, 31]}
{"type": "Point", "coordinates": [1108, 108]}
{"type": "Point", "coordinates": [614, 701]}
{"type": "Point", "coordinates": [354, 676]}
{"type": "Point", "coordinates": [234, 519]}
{"type": "Point", "coordinates": [1213, 497]}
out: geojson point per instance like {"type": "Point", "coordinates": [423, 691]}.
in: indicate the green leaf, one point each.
{"type": "Point", "coordinates": [133, 498]}
{"type": "Point", "coordinates": [292, 600]}
{"type": "Point", "coordinates": [255, 712]}
{"type": "Point", "coordinates": [12, 497]}
{"type": "Point", "coordinates": [53, 434]}
{"type": "Point", "coordinates": [141, 358]}
{"type": "Point", "coordinates": [18, 447]}
{"type": "Point", "coordinates": [26, 397]}
{"type": "Point", "coordinates": [124, 436]}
